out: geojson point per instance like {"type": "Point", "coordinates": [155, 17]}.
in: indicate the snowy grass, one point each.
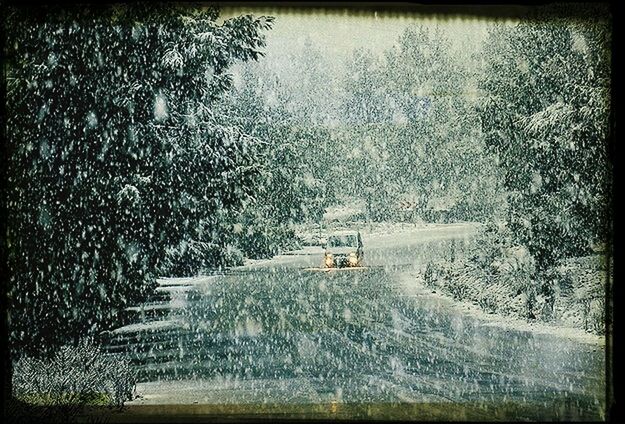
{"type": "Point", "coordinates": [472, 309]}
{"type": "Point", "coordinates": [574, 297]}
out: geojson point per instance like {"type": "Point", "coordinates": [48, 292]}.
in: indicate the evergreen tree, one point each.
{"type": "Point", "coordinates": [412, 125]}
{"type": "Point", "coordinates": [114, 154]}
{"type": "Point", "coordinates": [545, 115]}
{"type": "Point", "coordinates": [291, 189]}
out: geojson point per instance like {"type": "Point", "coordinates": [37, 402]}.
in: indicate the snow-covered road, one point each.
{"type": "Point", "coordinates": [278, 332]}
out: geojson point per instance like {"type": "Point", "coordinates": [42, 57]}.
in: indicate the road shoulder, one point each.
{"type": "Point", "coordinates": [412, 283]}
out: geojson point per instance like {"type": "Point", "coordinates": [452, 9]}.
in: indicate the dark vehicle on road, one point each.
{"type": "Point", "coordinates": [343, 249]}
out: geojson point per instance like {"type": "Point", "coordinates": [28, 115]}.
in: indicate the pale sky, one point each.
{"type": "Point", "coordinates": [337, 34]}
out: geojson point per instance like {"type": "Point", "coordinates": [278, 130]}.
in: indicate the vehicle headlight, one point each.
{"type": "Point", "coordinates": [353, 259]}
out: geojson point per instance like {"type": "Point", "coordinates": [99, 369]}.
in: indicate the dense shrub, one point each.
{"type": "Point", "coordinates": [72, 378]}
{"type": "Point", "coordinates": [580, 286]}
{"type": "Point", "coordinates": [192, 257]}
{"type": "Point", "coordinates": [572, 294]}
{"type": "Point", "coordinates": [268, 241]}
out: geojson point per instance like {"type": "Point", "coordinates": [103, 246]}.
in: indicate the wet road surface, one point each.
{"type": "Point", "coordinates": [287, 333]}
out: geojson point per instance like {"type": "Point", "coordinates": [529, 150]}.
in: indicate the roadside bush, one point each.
{"type": "Point", "coordinates": [595, 317]}
{"type": "Point", "coordinates": [579, 292]}
{"type": "Point", "coordinates": [572, 294]}
{"type": "Point", "coordinates": [487, 300]}
{"type": "Point", "coordinates": [72, 378]}
{"type": "Point", "coordinates": [191, 257]}
{"type": "Point", "coordinates": [459, 285]}
{"type": "Point", "coordinates": [183, 260]}
{"type": "Point", "coordinates": [267, 241]}
{"type": "Point", "coordinates": [501, 277]}
{"type": "Point", "coordinates": [492, 239]}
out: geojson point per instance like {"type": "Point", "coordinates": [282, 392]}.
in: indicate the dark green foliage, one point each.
{"type": "Point", "coordinates": [114, 154]}
{"type": "Point", "coordinates": [545, 115]}
{"type": "Point", "coordinates": [192, 257]}
{"type": "Point", "coordinates": [265, 239]}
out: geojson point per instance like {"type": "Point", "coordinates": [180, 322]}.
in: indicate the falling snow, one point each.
{"type": "Point", "coordinates": [175, 177]}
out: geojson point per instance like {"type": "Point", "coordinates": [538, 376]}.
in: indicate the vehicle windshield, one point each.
{"type": "Point", "coordinates": [348, 240]}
